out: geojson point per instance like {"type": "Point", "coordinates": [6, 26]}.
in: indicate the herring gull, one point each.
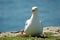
{"type": "Point", "coordinates": [33, 25]}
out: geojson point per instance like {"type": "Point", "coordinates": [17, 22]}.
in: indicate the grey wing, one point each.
{"type": "Point", "coordinates": [26, 25]}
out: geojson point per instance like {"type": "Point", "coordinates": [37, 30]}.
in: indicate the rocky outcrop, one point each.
{"type": "Point", "coordinates": [55, 30]}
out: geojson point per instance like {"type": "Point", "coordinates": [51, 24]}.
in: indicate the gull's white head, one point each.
{"type": "Point", "coordinates": [34, 9]}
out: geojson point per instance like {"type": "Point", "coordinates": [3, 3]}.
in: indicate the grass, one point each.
{"type": "Point", "coordinates": [32, 38]}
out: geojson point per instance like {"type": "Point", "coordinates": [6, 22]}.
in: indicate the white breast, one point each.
{"type": "Point", "coordinates": [33, 25]}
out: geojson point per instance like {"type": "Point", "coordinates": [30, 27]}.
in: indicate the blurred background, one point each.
{"type": "Point", "coordinates": [14, 13]}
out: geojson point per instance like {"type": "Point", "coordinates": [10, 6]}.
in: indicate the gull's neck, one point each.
{"type": "Point", "coordinates": [34, 16]}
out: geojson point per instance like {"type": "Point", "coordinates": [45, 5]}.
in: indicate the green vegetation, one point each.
{"type": "Point", "coordinates": [32, 38]}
